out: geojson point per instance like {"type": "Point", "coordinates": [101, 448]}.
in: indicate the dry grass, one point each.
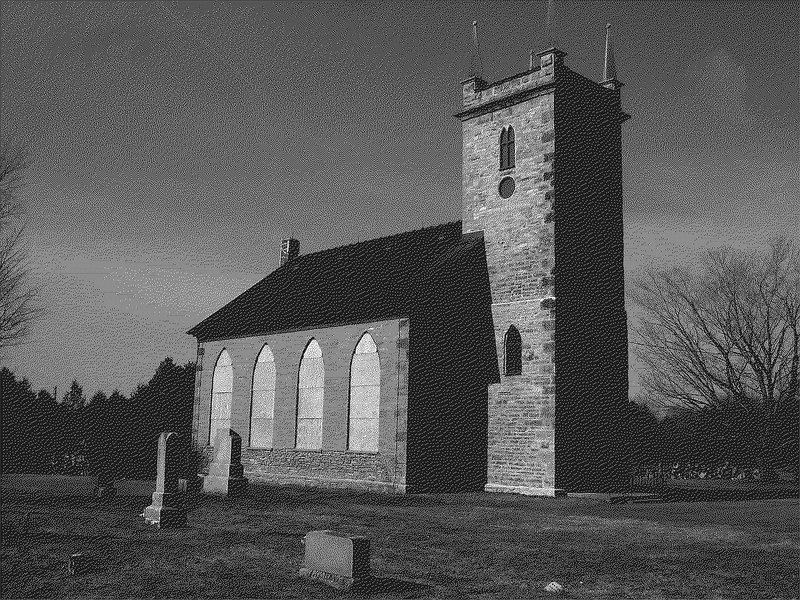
{"type": "Point", "coordinates": [432, 546]}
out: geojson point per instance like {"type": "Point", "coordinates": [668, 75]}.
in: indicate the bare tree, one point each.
{"type": "Point", "coordinates": [18, 296]}
{"type": "Point", "coordinates": [725, 335]}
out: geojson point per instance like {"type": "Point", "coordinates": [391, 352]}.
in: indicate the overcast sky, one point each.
{"type": "Point", "coordinates": [175, 144]}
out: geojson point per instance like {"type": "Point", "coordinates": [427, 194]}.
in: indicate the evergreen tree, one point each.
{"type": "Point", "coordinates": [23, 450]}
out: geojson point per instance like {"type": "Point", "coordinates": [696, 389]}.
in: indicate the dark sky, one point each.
{"type": "Point", "coordinates": [175, 144]}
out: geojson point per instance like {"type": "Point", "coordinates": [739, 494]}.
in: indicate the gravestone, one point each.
{"type": "Point", "coordinates": [225, 472]}
{"type": "Point", "coordinates": [554, 587]}
{"type": "Point", "coordinates": [105, 490]}
{"type": "Point", "coordinates": [167, 508]}
{"type": "Point", "coordinates": [337, 559]}
{"type": "Point", "coordinates": [191, 484]}
{"type": "Point", "coordinates": [79, 563]}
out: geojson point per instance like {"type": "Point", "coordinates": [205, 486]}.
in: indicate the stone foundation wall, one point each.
{"type": "Point", "coordinates": [325, 468]}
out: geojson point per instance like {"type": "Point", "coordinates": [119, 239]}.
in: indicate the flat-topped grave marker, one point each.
{"type": "Point", "coordinates": [167, 508]}
{"type": "Point", "coordinates": [337, 559]}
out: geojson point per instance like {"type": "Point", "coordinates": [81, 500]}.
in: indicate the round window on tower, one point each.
{"type": "Point", "coordinates": [507, 187]}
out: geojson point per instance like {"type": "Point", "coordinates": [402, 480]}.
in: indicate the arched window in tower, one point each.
{"type": "Point", "coordinates": [263, 404]}
{"type": "Point", "coordinates": [310, 394]}
{"type": "Point", "coordinates": [507, 148]}
{"type": "Point", "coordinates": [221, 396]}
{"type": "Point", "coordinates": [513, 352]}
{"type": "Point", "coordinates": [365, 396]}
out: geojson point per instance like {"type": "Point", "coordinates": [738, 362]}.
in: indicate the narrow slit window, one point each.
{"type": "Point", "coordinates": [507, 148]}
{"type": "Point", "coordinates": [513, 352]}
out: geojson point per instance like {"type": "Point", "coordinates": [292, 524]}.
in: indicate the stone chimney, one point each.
{"type": "Point", "coordinates": [290, 249]}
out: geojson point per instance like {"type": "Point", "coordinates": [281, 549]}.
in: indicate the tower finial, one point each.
{"type": "Point", "coordinates": [476, 64]}
{"type": "Point", "coordinates": [551, 13]}
{"type": "Point", "coordinates": [609, 68]}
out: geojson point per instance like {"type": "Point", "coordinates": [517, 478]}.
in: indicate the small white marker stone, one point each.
{"type": "Point", "coordinates": [554, 587]}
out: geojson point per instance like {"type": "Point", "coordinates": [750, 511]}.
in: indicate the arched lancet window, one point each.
{"type": "Point", "coordinates": [263, 407]}
{"type": "Point", "coordinates": [513, 352]}
{"type": "Point", "coordinates": [221, 396]}
{"type": "Point", "coordinates": [365, 396]}
{"type": "Point", "coordinates": [507, 148]}
{"type": "Point", "coordinates": [310, 394]}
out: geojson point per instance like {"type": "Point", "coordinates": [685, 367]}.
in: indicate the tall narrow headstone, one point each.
{"type": "Point", "coordinates": [167, 508]}
{"type": "Point", "coordinates": [226, 473]}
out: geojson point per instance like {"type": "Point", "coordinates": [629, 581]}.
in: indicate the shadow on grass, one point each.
{"type": "Point", "coordinates": [390, 585]}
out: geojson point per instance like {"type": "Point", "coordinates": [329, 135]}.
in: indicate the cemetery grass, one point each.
{"type": "Point", "coordinates": [427, 546]}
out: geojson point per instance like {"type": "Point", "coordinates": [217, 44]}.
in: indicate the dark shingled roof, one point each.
{"type": "Point", "coordinates": [378, 279]}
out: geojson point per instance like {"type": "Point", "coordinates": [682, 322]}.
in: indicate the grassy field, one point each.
{"type": "Point", "coordinates": [428, 546]}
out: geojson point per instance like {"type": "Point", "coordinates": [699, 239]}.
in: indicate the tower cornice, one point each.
{"type": "Point", "coordinates": [505, 101]}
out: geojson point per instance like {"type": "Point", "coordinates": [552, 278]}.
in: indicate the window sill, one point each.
{"type": "Point", "coordinates": [317, 450]}
{"type": "Point", "coordinates": [273, 449]}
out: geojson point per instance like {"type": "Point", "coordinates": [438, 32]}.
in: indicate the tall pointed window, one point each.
{"type": "Point", "coordinates": [263, 406]}
{"type": "Point", "coordinates": [365, 396]}
{"type": "Point", "coordinates": [221, 396]}
{"type": "Point", "coordinates": [310, 393]}
{"type": "Point", "coordinates": [513, 352]}
{"type": "Point", "coordinates": [507, 150]}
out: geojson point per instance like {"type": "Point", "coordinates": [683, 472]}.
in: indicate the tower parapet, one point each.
{"type": "Point", "coordinates": [478, 93]}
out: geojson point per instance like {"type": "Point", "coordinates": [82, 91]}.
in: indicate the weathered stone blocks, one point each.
{"type": "Point", "coordinates": [523, 239]}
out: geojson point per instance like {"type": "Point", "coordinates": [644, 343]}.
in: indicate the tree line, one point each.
{"type": "Point", "coordinates": [719, 340]}
{"type": "Point", "coordinates": [115, 435]}
{"type": "Point", "coordinates": [707, 443]}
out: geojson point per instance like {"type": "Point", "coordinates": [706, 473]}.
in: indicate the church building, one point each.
{"type": "Point", "coordinates": [435, 360]}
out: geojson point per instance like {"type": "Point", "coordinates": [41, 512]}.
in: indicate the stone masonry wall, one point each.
{"type": "Point", "coordinates": [521, 436]}
{"type": "Point", "coordinates": [591, 346]}
{"type": "Point", "coordinates": [333, 465]}
{"type": "Point", "coordinates": [518, 234]}
{"type": "Point", "coordinates": [552, 428]}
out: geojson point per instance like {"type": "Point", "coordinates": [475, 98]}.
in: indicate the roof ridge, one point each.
{"type": "Point", "coordinates": [385, 237]}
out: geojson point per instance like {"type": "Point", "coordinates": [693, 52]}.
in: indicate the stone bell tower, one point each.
{"type": "Point", "coordinates": [542, 179]}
